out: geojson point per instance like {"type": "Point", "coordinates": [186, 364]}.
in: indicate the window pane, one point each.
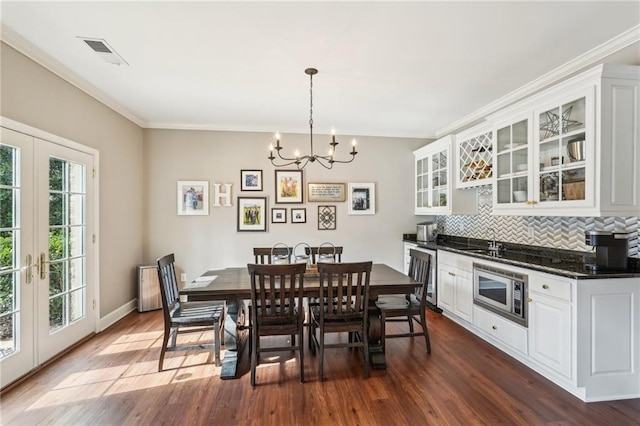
{"type": "Point", "coordinates": [56, 244]}
{"type": "Point", "coordinates": [76, 241]}
{"type": "Point", "coordinates": [76, 310]}
{"type": "Point", "coordinates": [6, 207]}
{"type": "Point", "coordinates": [76, 273]}
{"type": "Point", "coordinates": [56, 209]}
{"type": "Point", "coordinates": [6, 165]}
{"type": "Point", "coordinates": [56, 174]}
{"type": "Point", "coordinates": [7, 338]}
{"type": "Point", "coordinates": [7, 257]}
{"type": "Point", "coordinates": [76, 178]}
{"type": "Point", "coordinates": [7, 292]}
{"type": "Point", "coordinates": [57, 306]}
{"type": "Point", "coordinates": [76, 209]}
{"type": "Point", "coordinates": [56, 278]}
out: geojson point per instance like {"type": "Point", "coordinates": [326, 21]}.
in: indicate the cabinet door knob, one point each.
{"type": "Point", "coordinates": [529, 299]}
{"type": "Point", "coordinates": [495, 327]}
{"type": "Point", "coordinates": [452, 274]}
{"type": "Point", "coordinates": [545, 286]}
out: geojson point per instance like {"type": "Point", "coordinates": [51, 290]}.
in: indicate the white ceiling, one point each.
{"type": "Point", "coordinates": [407, 69]}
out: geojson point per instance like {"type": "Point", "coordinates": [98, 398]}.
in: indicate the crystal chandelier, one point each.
{"type": "Point", "coordinates": [301, 161]}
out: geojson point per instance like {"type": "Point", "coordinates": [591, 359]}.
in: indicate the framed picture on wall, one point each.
{"type": "Point", "coordinates": [250, 180]}
{"type": "Point", "coordinates": [298, 215]}
{"type": "Point", "coordinates": [362, 198]}
{"type": "Point", "coordinates": [193, 197]}
{"type": "Point", "coordinates": [289, 187]}
{"type": "Point", "coordinates": [326, 218]}
{"type": "Point", "coordinates": [252, 214]}
{"type": "Point", "coordinates": [278, 215]}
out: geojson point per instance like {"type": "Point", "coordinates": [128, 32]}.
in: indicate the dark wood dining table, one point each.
{"type": "Point", "coordinates": [233, 285]}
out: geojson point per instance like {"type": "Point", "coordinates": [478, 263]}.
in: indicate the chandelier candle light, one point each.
{"type": "Point", "coordinates": [325, 161]}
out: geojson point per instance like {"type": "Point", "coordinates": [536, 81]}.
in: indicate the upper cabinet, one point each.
{"type": "Point", "coordinates": [573, 149]}
{"type": "Point", "coordinates": [475, 157]}
{"type": "Point", "coordinates": [434, 192]}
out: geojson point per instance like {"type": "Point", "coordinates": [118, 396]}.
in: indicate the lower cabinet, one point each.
{"type": "Point", "coordinates": [581, 334]}
{"type": "Point", "coordinates": [455, 285]}
{"type": "Point", "coordinates": [550, 324]}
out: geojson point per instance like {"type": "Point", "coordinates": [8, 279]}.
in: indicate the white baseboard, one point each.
{"type": "Point", "coordinates": [114, 316]}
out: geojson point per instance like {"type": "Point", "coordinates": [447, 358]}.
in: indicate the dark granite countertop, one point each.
{"type": "Point", "coordinates": [566, 263]}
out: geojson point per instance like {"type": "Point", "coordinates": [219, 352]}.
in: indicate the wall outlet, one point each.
{"type": "Point", "coordinates": [183, 277]}
{"type": "Point", "coordinates": [530, 231]}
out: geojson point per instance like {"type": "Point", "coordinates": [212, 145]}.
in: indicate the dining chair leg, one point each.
{"type": "Point", "coordinates": [301, 351]}
{"type": "Point", "coordinates": [365, 348]}
{"type": "Point", "coordinates": [174, 336]}
{"type": "Point", "coordinates": [383, 330]}
{"type": "Point", "coordinates": [254, 357]}
{"type": "Point", "coordinates": [216, 342]}
{"type": "Point", "coordinates": [321, 356]}
{"type": "Point", "coordinates": [410, 319]}
{"type": "Point", "coordinates": [425, 330]}
{"type": "Point", "coordinates": [163, 350]}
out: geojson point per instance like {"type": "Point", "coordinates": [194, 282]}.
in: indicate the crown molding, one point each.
{"type": "Point", "coordinates": [11, 38]}
{"type": "Point", "coordinates": [587, 59]}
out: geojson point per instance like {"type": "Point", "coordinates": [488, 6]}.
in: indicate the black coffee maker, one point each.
{"type": "Point", "coordinates": [612, 249]}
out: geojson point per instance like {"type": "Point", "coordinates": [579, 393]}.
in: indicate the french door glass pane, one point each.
{"type": "Point", "coordinates": [67, 234]}
{"type": "Point", "coordinates": [9, 233]}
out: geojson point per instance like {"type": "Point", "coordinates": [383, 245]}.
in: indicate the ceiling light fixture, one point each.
{"type": "Point", "coordinates": [301, 161]}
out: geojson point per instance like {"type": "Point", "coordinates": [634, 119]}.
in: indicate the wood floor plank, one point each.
{"type": "Point", "coordinates": [112, 379]}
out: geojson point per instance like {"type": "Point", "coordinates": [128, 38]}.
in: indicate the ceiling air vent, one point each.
{"type": "Point", "coordinates": [102, 49]}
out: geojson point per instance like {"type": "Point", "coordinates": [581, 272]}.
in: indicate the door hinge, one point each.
{"type": "Point", "coordinates": [93, 238]}
{"type": "Point", "coordinates": [93, 173]}
{"type": "Point", "coordinates": [94, 304]}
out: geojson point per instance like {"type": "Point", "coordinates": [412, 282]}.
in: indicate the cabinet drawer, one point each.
{"type": "Point", "coordinates": [465, 263]}
{"type": "Point", "coordinates": [553, 287]}
{"type": "Point", "coordinates": [502, 329]}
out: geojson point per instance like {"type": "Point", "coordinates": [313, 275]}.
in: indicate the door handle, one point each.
{"type": "Point", "coordinates": [42, 262]}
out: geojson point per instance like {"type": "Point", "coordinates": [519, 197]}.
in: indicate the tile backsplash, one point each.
{"type": "Point", "coordinates": [557, 232]}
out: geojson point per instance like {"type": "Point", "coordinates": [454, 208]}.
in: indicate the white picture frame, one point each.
{"type": "Point", "coordinates": [193, 198]}
{"type": "Point", "coordinates": [362, 199]}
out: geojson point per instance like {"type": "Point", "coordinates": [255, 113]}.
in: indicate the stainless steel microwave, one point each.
{"type": "Point", "coordinates": [500, 291]}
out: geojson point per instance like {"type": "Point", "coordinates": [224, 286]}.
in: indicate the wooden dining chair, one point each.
{"type": "Point", "coordinates": [315, 251]}
{"type": "Point", "coordinates": [264, 255]}
{"type": "Point", "coordinates": [345, 289]}
{"type": "Point", "coordinates": [276, 310]}
{"type": "Point", "coordinates": [405, 307]}
{"type": "Point", "coordinates": [185, 317]}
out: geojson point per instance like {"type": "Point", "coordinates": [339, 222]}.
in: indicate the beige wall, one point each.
{"type": "Point", "coordinates": [34, 96]}
{"type": "Point", "coordinates": [202, 242]}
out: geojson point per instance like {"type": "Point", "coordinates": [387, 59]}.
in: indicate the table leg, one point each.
{"type": "Point", "coordinates": [378, 360]}
{"type": "Point", "coordinates": [234, 338]}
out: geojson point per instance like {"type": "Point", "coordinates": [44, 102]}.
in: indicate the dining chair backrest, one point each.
{"type": "Point", "coordinates": [326, 250]}
{"type": "Point", "coordinates": [277, 291]}
{"type": "Point", "coordinates": [263, 255]}
{"type": "Point", "coordinates": [419, 270]}
{"type": "Point", "coordinates": [168, 285]}
{"type": "Point", "coordinates": [345, 288]}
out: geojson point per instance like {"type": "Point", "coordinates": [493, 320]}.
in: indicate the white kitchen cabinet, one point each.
{"type": "Point", "coordinates": [455, 286]}
{"type": "Point", "coordinates": [550, 323]}
{"type": "Point", "coordinates": [407, 256]}
{"type": "Point", "coordinates": [434, 191]}
{"type": "Point", "coordinates": [499, 328]}
{"type": "Point", "coordinates": [474, 148]}
{"type": "Point", "coordinates": [572, 149]}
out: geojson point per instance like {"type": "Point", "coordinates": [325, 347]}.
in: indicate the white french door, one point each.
{"type": "Point", "coordinates": [47, 253]}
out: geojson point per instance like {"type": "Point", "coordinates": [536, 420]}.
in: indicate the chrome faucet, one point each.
{"type": "Point", "coordinates": [493, 245]}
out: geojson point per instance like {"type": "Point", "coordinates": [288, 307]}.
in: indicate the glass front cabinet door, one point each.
{"type": "Point", "coordinates": [432, 177]}
{"type": "Point", "coordinates": [513, 163]}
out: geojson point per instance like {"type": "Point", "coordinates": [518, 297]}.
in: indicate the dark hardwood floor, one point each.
{"type": "Point", "coordinates": [112, 379]}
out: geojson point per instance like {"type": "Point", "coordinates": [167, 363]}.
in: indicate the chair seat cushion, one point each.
{"type": "Point", "coordinates": [397, 301]}
{"type": "Point", "coordinates": [194, 312]}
